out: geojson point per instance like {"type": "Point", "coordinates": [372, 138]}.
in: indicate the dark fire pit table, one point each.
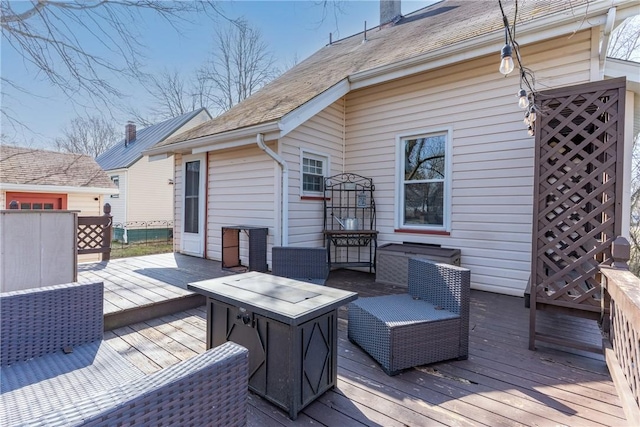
{"type": "Point", "coordinates": [289, 327]}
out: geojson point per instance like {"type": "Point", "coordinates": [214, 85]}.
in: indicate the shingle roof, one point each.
{"type": "Point", "coordinates": [19, 165]}
{"type": "Point", "coordinates": [120, 156]}
{"type": "Point", "coordinates": [427, 30]}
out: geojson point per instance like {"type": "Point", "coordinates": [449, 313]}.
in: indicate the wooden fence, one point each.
{"type": "Point", "coordinates": [94, 234]}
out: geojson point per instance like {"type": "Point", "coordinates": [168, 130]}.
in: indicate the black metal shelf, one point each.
{"type": "Point", "coordinates": [350, 221]}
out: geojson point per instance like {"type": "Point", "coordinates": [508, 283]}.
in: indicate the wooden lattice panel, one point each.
{"type": "Point", "coordinates": [579, 144]}
{"type": "Point", "coordinates": [92, 232]}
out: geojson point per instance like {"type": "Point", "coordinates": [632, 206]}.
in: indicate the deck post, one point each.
{"type": "Point", "coordinates": [106, 233]}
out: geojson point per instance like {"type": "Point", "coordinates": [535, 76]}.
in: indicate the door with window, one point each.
{"type": "Point", "coordinates": [194, 172]}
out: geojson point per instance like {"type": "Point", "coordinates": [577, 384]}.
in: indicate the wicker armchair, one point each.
{"type": "Point", "coordinates": [306, 264]}
{"type": "Point", "coordinates": [427, 325]}
{"type": "Point", "coordinates": [57, 371]}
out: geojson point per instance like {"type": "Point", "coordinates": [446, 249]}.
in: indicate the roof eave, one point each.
{"type": "Point", "coordinates": [230, 139]}
{"type": "Point", "coordinates": [540, 29]}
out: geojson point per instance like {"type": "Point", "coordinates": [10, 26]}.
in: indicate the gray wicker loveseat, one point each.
{"type": "Point", "coordinates": [57, 371]}
{"type": "Point", "coordinates": [427, 325]}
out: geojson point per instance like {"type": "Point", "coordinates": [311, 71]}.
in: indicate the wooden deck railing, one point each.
{"type": "Point", "coordinates": [621, 328]}
{"type": "Point", "coordinates": [94, 234]}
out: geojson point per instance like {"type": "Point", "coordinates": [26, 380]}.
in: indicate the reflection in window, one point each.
{"type": "Point", "coordinates": [424, 166]}
{"type": "Point", "coordinates": [25, 206]}
{"type": "Point", "coordinates": [37, 206]}
{"type": "Point", "coordinates": [48, 205]}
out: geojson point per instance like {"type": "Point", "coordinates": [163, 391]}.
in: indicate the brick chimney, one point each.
{"type": "Point", "coordinates": [390, 12]}
{"type": "Point", "coordinates": [129, 133]}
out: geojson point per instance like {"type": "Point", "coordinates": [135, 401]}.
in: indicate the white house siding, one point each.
{"type": "Point", "coordinates": [177, 204]}
{"type": "Point", "coordinates": [118, 202]}
{"type": "Point", "coordinates": [492, 179]}
{"type": "Point", "coordinates": [321, 134]}
{"type": "Point", "coordinates": [149, 194]}
{"type": "Point", "coordinates": [241, 191]}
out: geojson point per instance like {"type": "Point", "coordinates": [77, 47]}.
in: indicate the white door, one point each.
{"type": "Point", "coordinates": [194, 173]}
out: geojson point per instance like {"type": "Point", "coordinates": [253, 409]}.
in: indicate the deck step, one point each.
{"type": "Point", "coordinates": [146, 312]}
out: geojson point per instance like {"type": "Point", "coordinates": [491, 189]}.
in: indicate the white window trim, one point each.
{"type": "Point", "coordinates": [399, 196]}
{"type": "Point", "coordinates": [201, 207]}
{"type": "Point", "coordinates": [304, 152]}
{"type": "Point", "coordinates": [112, 177]}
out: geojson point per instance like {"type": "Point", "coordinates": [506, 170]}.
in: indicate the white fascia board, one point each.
{"type": "Point", "coordinates": [230, 139]}
{"type": "Point", "coordinates": [620, 68]}
{"type": "Point", "coordinates": [545, 28]}
{"type": "Point", "coordinates": [295, 118]}
{"type": "Point", "coordinates": [35, 188]}
{"type": "Point", "coordinates": [161, 156]}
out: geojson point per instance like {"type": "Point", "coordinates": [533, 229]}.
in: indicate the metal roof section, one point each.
{"type": "Point", "coordinates": [124, 155]}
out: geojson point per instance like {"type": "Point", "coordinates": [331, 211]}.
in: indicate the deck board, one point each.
{"type": "Point", "coordinates": [502, 383]}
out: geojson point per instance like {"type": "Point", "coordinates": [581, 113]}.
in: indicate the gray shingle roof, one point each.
{"type": "Point", "coordinates": [427, 30]}
{"type": "Point", "coordinates": [27, 166]}
{"type": "Point", "coordinates": [119, 156]}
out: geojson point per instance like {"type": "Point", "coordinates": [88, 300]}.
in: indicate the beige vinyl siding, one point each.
{"type": "Point", "coordinates": [492, 163]}
{"type": "Point", "coordinates": [149, 194]}
{"type": "Point", "coordinates": [241, 191]}
{"type": "Point", "coordinates": [177, 203]}
{"type": "Point", "coordinates": [322, 134]}
{"type": "Point", "coordinates": [119, 201]}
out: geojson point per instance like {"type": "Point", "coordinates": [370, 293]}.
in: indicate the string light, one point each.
{"type": "Point", "coordinates": [527, 78]}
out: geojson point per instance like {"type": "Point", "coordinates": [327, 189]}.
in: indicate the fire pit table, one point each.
{"type": "Point", "coordinates": [289, 327]}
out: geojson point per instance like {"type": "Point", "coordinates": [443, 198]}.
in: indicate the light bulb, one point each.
{"type": "Point", "coordinates": [506, 64]}
{"type": "Point", "coordinates": [523, 102]}
{"type": "Point", "coordinates": [527, 118]}
{"type": "Point", "coordinates": [532, 116]}
{"type": "Point", "coordinates": [530, 131]}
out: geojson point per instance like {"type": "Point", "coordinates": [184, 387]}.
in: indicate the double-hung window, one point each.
{"type": "Point", "coordinates": [314, 167]}
{"type": "Point", "coordinates": [424, 181]}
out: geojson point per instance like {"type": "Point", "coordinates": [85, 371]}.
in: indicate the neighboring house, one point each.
{"type": "Point", "coordinates": [356, 106]}
{"type": "Point", "coordinates": [146, 188]}
{"type": "Point", "coordinates": [39, 179]}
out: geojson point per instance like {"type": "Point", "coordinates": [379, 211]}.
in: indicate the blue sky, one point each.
{"type": "Point", "coordinates": [292, 29]}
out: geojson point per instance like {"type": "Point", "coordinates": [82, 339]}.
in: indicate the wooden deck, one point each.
{"type": "Point", "coordinates": [502, 383]}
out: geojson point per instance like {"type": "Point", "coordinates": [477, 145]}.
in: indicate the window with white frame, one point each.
{"type": "Point", "coordinates": [314, 168]}
{"type": "Point", "coordinates": [424, 174]}
{"type": "Point", "coordinates": [116, 180]}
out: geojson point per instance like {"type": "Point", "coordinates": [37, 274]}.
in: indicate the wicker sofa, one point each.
{"type": "Point", "coordinates": [57, 371]}
{"type": "Point", "coordinates": [428, 324]}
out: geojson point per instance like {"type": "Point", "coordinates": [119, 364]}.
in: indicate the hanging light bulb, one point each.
{"type": "Point", "coordinates": [530, 131]}
{"type": "Point", "coordinates": [532, 116]}
{"type": "Point", "coordinates": [506, 62]}
{"type": "Point", "coordinates": [523, 102]}
{"type": "Point", "coordinates": [527, 119]}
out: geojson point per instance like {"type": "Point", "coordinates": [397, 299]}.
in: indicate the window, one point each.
{"type": "Point", "coordinates": [314, 168]}
{"type": "Point", "coordinates": [424, 170]}
{"type": "Point", "coordinates": [116, 180]}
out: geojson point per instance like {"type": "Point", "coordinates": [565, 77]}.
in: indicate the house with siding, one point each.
{"type": "Point", "coordinates": [357, 106]}
{"type": "Point", "coordinates": [39, 179]}
{"type": "Point", "coordinates": [146, 189]}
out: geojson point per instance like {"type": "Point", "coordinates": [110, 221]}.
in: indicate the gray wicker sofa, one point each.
{"type": "Point", "coordinates": [57, 371]}
{"type": "Point", "coordinates": [428, 324]}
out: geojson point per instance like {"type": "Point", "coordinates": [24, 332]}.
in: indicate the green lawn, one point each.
{"type": "Point", "coordinates": [120, 250]}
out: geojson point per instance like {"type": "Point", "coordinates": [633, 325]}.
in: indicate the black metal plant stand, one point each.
{"type": "Point", "coordinates": [350, 231]}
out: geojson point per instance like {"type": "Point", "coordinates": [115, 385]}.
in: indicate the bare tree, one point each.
{"type": "Point", "coordinates": [91, 135]}
{"type": "Point", "coordinates": [625, 40]}
{"type": "Point", "coordinates": [240, 65]}
{"type": "Point", "coordinates": [625, 44]}
{"type": "Point", "coordinates": [60, 40]}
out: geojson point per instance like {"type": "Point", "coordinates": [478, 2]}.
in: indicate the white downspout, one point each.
{"type": "Point", "coordinates": [606, 35]}
{"type": "Point", "coordinates": [284, 232]}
